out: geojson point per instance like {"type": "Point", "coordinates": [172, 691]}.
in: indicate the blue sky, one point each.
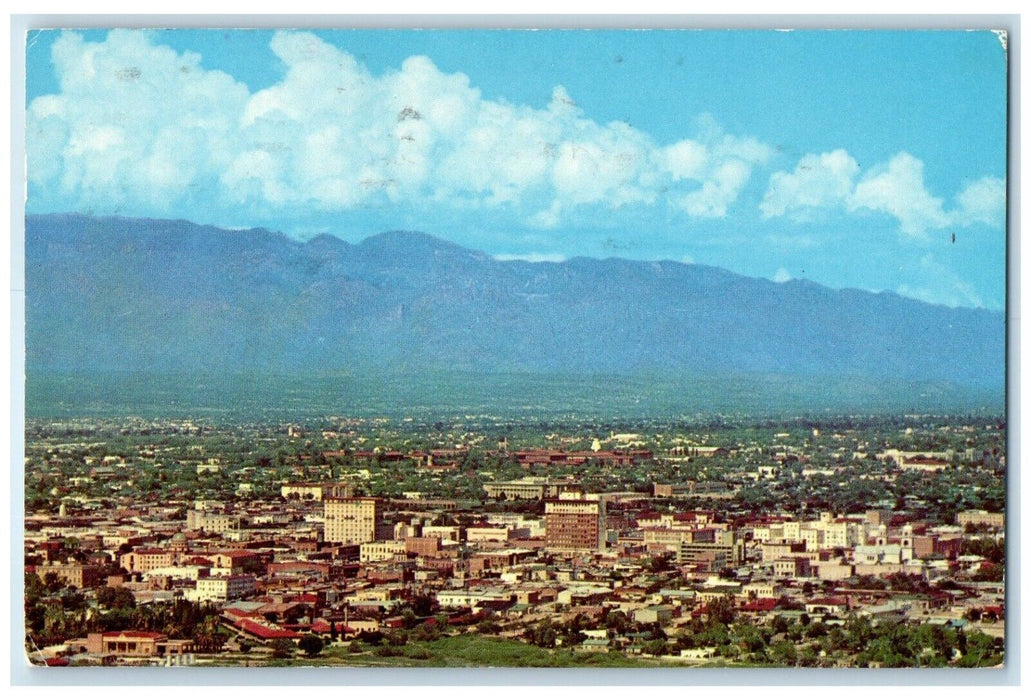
{"type": "Point", "coordinates": [845, 157]}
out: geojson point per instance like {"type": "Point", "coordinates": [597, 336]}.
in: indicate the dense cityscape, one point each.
{"type": "Point", "coordinates": [861, 541]}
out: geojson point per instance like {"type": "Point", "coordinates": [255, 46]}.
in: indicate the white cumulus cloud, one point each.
{"type": "Point", "coordinates": [833, 181]}
{"type": "Point", "coordinates": [723, 166]}
{"type": "Point", "coordinates": [818, 181]}
{"type": "Point", "coordinates": [133, 123]}
{"type": "Point", "coordinates": [898, 189]}
{"type": "Point", "coordinates": [140, 127]}
{"type": "Point", "coordinates": [983, 202]}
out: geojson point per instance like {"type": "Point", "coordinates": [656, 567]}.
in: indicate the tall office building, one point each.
{"type": "Point", "coordinates": [352, 520]}
{"type": "Point", "coordinates": [574, 525]}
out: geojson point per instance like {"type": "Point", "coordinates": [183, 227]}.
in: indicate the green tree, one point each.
{"type": "Point", "coordinates": [655, 647]}
{"type": "Point", "coordinates": [783, 653]}
{"type": "Point", "coordinates": [115, 597]}
{"type": "Point", "coordinates": [426, 632]}
{"type": "Point", "coordinates": [617, 621]}
{"type": "Point", "coordinates": [423, 604]}
{"type": "Point", "coordinates": [311, 645]}
{"type": "Point", "coordinates": [34, 588]}
{"type": "Point", "coordinates": [542, 635]}
{"type": "Point", "coordinates": [207, 637]}
{"type": "Point", "coordinates": [488, 627]}
{"type": "Point", "coordinates": [721, 610]}
{"type": "Point", "coordinates": [52, 582]}
{"type": "Point", "coordinates": [858, 632]}
{"type": "Point", "coordinates": [980, 650]}
{"type": "Point", "coordinates": [815, 630]}
{"type": "Point", "coordinates": [409, 619]}
{"type": "Point", "coordinates": [750, 637]}
{"type": "Point", "coordinates": [660, 563]}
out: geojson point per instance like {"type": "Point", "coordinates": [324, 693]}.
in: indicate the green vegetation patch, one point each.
{"type": "Point", "coordinates": [471, 651]}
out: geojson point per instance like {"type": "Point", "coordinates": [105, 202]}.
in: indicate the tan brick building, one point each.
{"type": "Point", "coordinates": [78, 575]}
{"type": "Point", "coordinates": [981, 517]}
{"type": "Point", "coordinates": [423, 546]}
{"type": "Point", "coordinates": [136, 644]}
{"type": "Point", "coordinates": [143, 560]}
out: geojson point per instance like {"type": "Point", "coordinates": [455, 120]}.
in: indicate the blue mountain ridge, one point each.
{"type": "Point", "coordinates": [143, 295]}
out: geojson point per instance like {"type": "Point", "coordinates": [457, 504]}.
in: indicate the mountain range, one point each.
{"type": "Point", "coordinates": [142, 295]}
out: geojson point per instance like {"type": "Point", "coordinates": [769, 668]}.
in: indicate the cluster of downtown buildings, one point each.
{"type": "Point", "coordinates": [319, 559]}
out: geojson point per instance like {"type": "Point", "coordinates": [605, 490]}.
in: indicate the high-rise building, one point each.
{"type": "Point", "coordinates": [352, 520]}
{"type": "Point", "coordinates": [574, 525]}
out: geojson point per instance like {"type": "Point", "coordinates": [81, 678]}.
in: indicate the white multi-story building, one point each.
{"type": "Point", "coordinates": [315, 492]}
{"type": "Point", "coordinates": [191, 572]}
{"type": "Point", "coordinates": [446, 533]}
{"type": "Point", "coordinates": [472, 598]}
{"type": "Point", "coordinates": [217, 523]}
{"type": "Point", "coordinates": [380, 551]}
{"type": "Point", "coordinates": [759, 589]}
{"type": "Point", "coordinates": [826, 532]}
{"type": "Point", "coordinates": [884, 552]}
{"type": "Point", "coordinates": [351, 520]}
{"type": "Point", "coordinates": [222, 588]}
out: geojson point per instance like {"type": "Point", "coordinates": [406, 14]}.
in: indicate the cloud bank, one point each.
{"type": "Point", "coordinates": [828, 181]}
{"type": "Point", "coordinates": [138, 126]}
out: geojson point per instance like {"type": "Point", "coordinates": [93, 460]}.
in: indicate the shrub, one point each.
{"type": "Point", "coordinates": [282, 649]}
